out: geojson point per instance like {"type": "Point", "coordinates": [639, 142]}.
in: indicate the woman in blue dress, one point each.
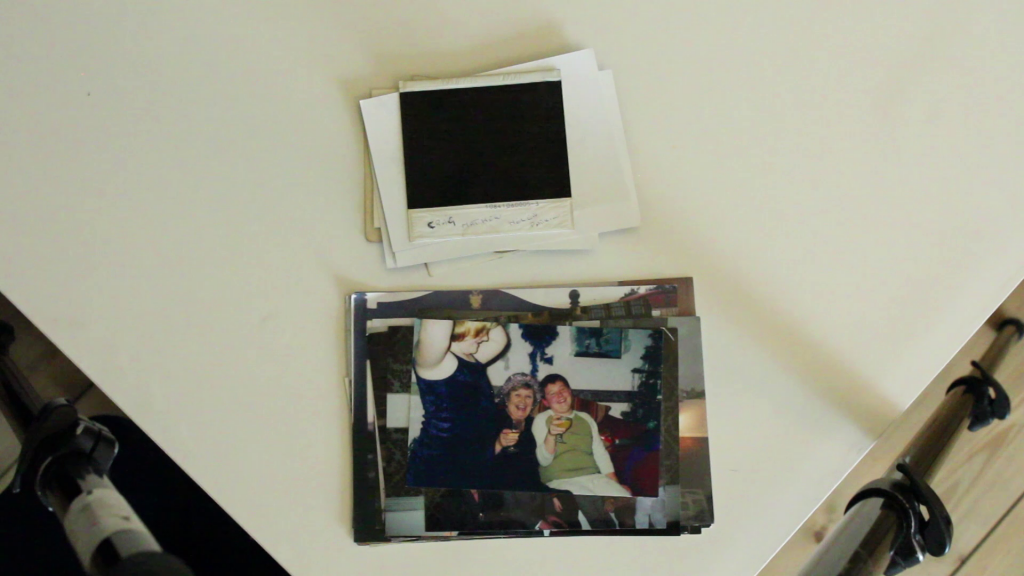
{"type": "Point", "coordinates": [456, 443]}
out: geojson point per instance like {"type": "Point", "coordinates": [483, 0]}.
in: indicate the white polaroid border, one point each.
{"type": "Point", "coordinates": [522, 217]}
{"type": "Point", "coordinates": [490, 219]}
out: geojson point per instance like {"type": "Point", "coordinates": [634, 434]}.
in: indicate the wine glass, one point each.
{"type": "Point", "coordinates": [516, 430]}
{"type": "Point", "coordinates": [563, 422]}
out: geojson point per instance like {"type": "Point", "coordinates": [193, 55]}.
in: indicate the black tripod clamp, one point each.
{"type": "Point", "coordinates": [58, 432]}
{"type": "Point", "coordinates": [916, 537]}
{"type": "Point", "coordinates": [990, 398]}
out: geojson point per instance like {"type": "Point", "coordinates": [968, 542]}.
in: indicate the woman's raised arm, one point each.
{"type": "Point", "coordinates": [435, 339]}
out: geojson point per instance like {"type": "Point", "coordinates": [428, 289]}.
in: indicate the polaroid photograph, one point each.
{"type": "Point", "coordinates": [485, 155]}
{"type": "Point", "coordinates": [511, 408]}
{"type": "Point", "coordinates": [603, 195]}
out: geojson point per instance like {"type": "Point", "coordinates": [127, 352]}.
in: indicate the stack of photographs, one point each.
{"type": "Point", "coordinates": [528, 412]}
{"type": "Point", "coordinates": [465, 170]}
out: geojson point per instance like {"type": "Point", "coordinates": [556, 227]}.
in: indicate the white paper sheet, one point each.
{"type": "Point", "coordinates": [607, 200]}
{"type": "Point", "coordinates": [413, 257]}
{"type": "Point", "coordinates": [448, 266]}
{"type": "Point", "coordinates": [628, 204]}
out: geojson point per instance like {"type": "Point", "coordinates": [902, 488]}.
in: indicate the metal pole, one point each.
{"type": "Point", "coordinates": [861, 544]}
{"type": "Point", "coordinates": [64, 461]}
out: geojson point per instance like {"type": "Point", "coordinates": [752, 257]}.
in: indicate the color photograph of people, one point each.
{"type": "Point", "coordinates": [524, 434]}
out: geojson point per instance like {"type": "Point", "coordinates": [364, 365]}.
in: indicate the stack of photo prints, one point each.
{"type": "Point", "coordinates": [465, 170]}
{"type": "Point", "coordinates": [558, 411]}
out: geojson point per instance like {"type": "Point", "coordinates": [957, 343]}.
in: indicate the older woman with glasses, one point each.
{"type": "Point", "coordinates": [515, 468]}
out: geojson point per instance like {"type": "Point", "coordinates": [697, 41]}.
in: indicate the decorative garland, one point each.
{"type": "Point", "coordinates": [539, 337]}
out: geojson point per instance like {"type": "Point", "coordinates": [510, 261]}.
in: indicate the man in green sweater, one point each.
{"type": "Point", "coordinates": [570, 451]}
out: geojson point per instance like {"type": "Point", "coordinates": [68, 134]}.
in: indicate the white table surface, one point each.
{"type": "Point", "coordinates": [181, 213]}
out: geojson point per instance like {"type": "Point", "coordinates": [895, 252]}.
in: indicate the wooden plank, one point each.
{"type": "Point", "coordinates": [979, 480]}
{"type": "Point", "coordinates": [1001, 553]}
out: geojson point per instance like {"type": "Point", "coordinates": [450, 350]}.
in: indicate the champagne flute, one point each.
{"type": "Point", "coordinates": [516, 430]}
{"type": "Point", "coordinates": [563, 422]}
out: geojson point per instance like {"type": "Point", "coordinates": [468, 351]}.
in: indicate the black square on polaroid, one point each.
{"type": "Point", "coordinates": [484, 144]}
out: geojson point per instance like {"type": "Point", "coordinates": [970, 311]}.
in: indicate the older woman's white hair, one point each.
{"type": "Point", "coordinates": [518, 381]}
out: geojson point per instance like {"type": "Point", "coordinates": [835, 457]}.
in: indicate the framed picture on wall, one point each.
{"type": "Point", "coordinates": [597, 342]}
